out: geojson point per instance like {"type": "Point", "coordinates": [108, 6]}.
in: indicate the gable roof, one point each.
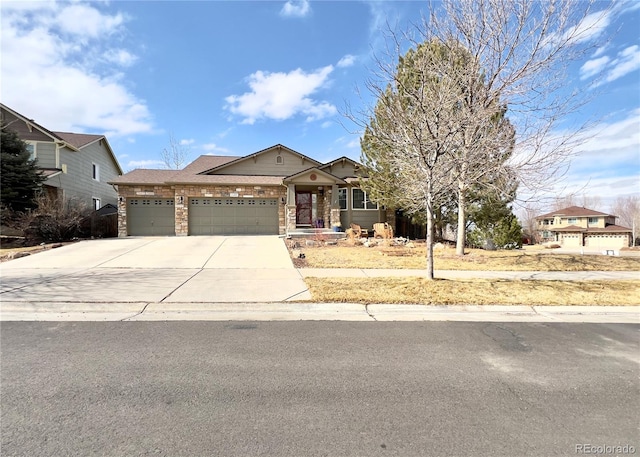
{"type": "Point", "coordinates": [271, 148]}
{"type": "Point", "coordinates": [314, 170]}
{"type": "Point", "coordinates": [74, 141]}
{"type": "Point", "coordinates": [340, 160]}
{"type": "Point", "coordinates": [32, 123]}
{"type": "Point", "coordinates": [207, 162]}
{"type": "Point", "coordinates": [574, 211]}
{"type": "Point", "coordinates": [78, 139]}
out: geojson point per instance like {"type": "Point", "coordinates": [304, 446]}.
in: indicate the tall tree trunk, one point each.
{"type": "Point", "coordinates": [462, 222]}
{"type": "Point", "coordinates": [429, 240]}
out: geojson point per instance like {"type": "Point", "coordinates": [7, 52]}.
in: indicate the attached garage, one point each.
{"type": "Point", "coordinates": [606, 241]}
{"type": "Point", "coordinates": [571, 240]}
{"type": "Point", "coordinates": [233, 216]}
{"type": "Point", "coordinates": [151, 217]}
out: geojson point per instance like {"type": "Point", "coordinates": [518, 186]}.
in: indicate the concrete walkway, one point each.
{"type": "Point", "coordinates": [471, 274]}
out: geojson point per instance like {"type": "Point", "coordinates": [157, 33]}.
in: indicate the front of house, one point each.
{"type": "Point", "coordinates": [577, 227]}
{"type": "Point", "coordinates": [274, 191]}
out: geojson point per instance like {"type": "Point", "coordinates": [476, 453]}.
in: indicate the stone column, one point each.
{"type": "Point", "coordinates": [122, 217]}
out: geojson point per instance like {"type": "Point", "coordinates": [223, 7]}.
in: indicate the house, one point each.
{"type": "Point", "coordinates": [576, 227]}
{"type": "Point", "coordinates": [273, 191]}
{"type": "Point", "coordinates": [76, 165]}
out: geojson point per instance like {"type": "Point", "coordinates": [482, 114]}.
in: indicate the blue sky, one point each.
{"type": "Point", "coordinates": [232, 78]}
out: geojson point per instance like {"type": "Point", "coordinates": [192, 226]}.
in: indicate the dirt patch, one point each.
{"type": "Point", "coordinates": [15, 248]}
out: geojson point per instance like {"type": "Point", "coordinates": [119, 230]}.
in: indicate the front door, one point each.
{"type": "Point", "coordinates": [303, 208]}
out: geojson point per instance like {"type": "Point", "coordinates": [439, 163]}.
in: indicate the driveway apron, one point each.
{"type": "Point", "coordinates": [205, 269]}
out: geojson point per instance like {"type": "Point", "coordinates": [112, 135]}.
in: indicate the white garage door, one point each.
{"type": "Point", "coordinates": [151, 216]}
{"type": "Point", "coordinates": [570, 240]}
{"type": "Point", "coordinates": [233, 216]}
{"type": "Point", "coordinates": [615, 241]}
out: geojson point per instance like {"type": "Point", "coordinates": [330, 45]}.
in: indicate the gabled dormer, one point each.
{"type": "Point", "coordinates": [343, 167]}
{"type": "Point", "coordinates": [276, 160]}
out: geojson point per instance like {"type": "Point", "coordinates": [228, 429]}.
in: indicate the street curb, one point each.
{"type": "Point", "coordinates": [306, 311]}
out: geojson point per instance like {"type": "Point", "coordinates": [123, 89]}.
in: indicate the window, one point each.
{"type": "Point", "coordinates": [342, 197]}
{"type": "Point", "coordinates": [95, 171]}
{"type": "Point", "coordinates": [593, 220]}
{"type": "Point", "coordinates": [361, 200]}
{"type": "Point", "coordinates": [572, 220]}
{"type": "Point", "coordinates": [96, 203]}
{"type": "Point", "coordinates": [31, 148]}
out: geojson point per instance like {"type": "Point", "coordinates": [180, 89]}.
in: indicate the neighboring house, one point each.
{"type": "Point", "coordinates": [273, 191]}
{"type": "Point", "coordinates": [581, 227]}
{"type": "Point", "coordinates": [76, 165]}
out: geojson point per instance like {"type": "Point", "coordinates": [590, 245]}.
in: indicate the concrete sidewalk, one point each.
{"type": "Point", "coordinates": [472, 274]}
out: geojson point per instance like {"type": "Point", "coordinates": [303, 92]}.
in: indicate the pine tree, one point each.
{"type": "Point", "coordinates": [20, 178]}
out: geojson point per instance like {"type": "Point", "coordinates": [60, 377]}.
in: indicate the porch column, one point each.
{"type": "Point", "coordinates": [335, 207]}
{"type": "Point", "coordinates": [290, 208]}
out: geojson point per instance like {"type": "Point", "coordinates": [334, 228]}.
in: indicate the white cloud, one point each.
{"type": "Point", "coordinates": [280, 96]}
{"type": "Point", "coordinates": [212, 147]}
{"type": "Point", "coordinates": [628, 60]}
{"type": "Point", "coordinates": [120, 57]}
{"type": "Point", "coordinates": [607, 164]}
{"type": "Point", "coordinates": [186, 142]}
{"type": "Point", "coordinates": [145, 164]}
{"type": "Point", "coordinates": [346, 61]}
{"type": "Point", "coordinates": [86, 21]}
{"type": "Point", "coordinates": [294, 8]}
{"type": "Point", "coordinates": [53, 68]}
{"type": "Point", "coordinates": [593, 67]}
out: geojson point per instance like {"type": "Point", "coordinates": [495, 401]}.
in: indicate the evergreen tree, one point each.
{"type": "Point", "coordinates": [20, 179]}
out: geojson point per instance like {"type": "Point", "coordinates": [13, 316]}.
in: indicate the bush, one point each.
{"type": "Point", "coordinates": [56, 219]}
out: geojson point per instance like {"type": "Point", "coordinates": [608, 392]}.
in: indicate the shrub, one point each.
{"type": "Point", "coordinates": [56, 219]}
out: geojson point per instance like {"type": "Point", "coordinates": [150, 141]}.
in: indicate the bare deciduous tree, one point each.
{"type": "Point", "coordinates": [516, 53]}
{"type": "Point", "coordinates": [627, 208]}
{"type": "Point", "coordinates": [175, 156]}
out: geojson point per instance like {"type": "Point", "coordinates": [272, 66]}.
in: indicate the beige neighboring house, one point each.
{"type": "Point", "coordinates": [274, 191]}
{"type": "Point", "coordinates": [76, 165]}
{"type": "Point", "coordinates": [576, 227]}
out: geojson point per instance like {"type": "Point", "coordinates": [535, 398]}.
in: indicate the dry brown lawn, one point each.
{"type": "Point", "coordinates": [473, 292]}
{"type": "Point", "coordinates": [348, 256]}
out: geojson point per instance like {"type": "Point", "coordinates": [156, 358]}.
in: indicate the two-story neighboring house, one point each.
{"type": "Point", "coordinates": [576, 226]}
{"type": "Point", "coordinates": [273, 191]}
{"type": "Point", "coordinates": [76, 165]}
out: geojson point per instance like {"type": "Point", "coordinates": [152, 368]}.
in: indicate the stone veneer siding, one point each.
{"type": "Point", "coordinates": [182, 193]}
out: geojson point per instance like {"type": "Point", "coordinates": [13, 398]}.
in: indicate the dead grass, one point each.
{"type": "Point", "coordinates": [473, 292]}
{"type": "Point", "coordinates": [347, 256]}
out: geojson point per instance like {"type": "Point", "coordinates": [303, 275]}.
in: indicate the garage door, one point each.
{"type": "Point", "coordinates": [233, 216]}
{"type": "Point", "coordinates": [607, 241]}
{"type": "Point", "coordinates": [571, 240]}
{"type": "Point", "coordinates": [151, 216]}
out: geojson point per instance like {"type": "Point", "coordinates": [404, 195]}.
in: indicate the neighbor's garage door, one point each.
{"type": "Point", "coordinates": [233, 216]}
{"type": "Point", "coordinates": [615, 241]}
{"type": "Point", "coordinates": [151, 216]}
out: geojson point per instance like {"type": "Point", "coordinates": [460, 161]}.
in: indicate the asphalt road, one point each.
{"type": "Point", "coordinates": [318, 388]}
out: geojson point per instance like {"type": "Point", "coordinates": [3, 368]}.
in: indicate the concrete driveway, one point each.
{"type": "Point", "coordinates": [239, 269]}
